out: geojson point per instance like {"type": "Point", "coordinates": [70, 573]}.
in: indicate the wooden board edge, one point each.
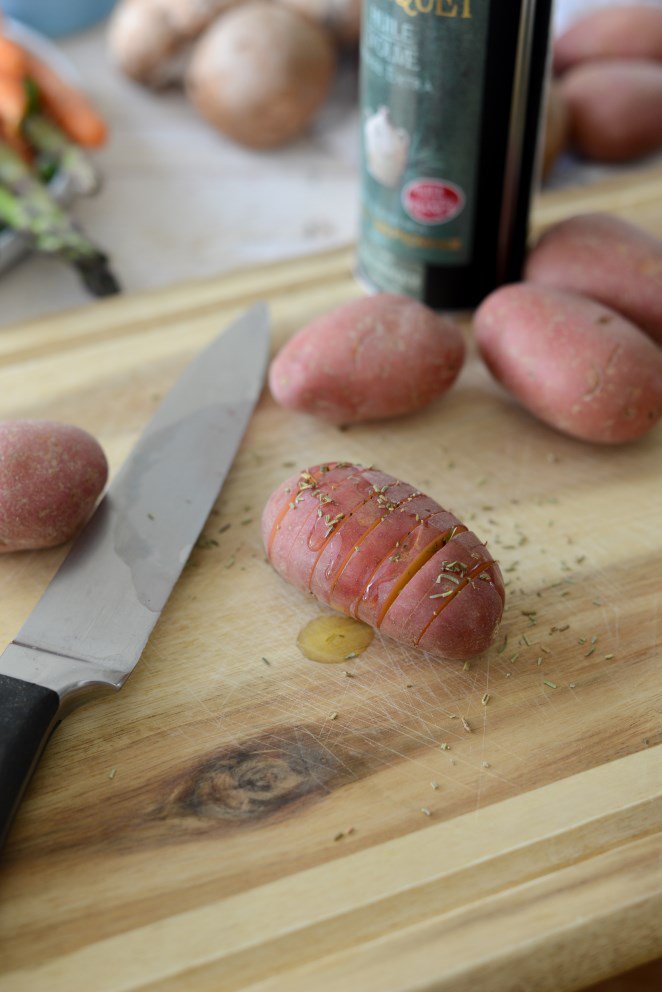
{"type": "Point", "coordinates": [151, 309]}
{"type": "Point", "coordinates": [556, 933]}
{"type": "Point", "coordinates": [619, 193]}
{"type": "Point", "coordinates": [242, 286]}
{"type": "Point", "coordinates": [555, 838]}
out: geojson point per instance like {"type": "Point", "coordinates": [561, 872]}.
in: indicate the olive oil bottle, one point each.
{"type": "Point", "coordinates": [451, 94]}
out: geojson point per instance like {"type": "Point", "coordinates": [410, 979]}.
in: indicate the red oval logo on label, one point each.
{"type": "Point", "coordinates": [432, 201]}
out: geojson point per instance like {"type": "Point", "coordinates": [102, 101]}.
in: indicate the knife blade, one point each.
{"type": "Point", "coordinates": [89, 629]}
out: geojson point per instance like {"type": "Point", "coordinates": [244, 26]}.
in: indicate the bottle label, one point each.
{"type": "Point", "coordinates": [422, 71]}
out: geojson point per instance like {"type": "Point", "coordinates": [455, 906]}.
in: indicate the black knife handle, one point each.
{"type": "Point", "coordinates": [27, 718]}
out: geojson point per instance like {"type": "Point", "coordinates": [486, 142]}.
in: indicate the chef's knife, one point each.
{"type": "Point", "coordinates": [89, 629]}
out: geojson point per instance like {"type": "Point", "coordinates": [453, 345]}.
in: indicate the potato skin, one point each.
{"type": "Point", "coordinates": [579, 366]}
{"type": "Point", "coordinates": [606, 259]}
{"type": "Point", "coordinates": [632, 32]}
{"type": "Point", "coordinates": [615, 109]}
{"type": "Point", "coordinates": [50, 478]}
{"type": "Point", "coordinates": [377, 549]}
{"type": "Point", "coordinates": [375, 357]}
{"type": "Point", "coordinates": [260, 73]}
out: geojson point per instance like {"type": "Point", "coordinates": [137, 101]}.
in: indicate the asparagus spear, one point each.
{"type": "Point", "coordinates": [27, 207]}
{"type": "Point", "coordinates": [46, 137]}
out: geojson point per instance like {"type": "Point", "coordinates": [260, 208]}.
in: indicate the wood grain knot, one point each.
{"type": "Point", "coordinates": [256, 780]}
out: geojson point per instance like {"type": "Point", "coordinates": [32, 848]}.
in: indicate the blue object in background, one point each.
{"type": "Point", "coordinates": [58, 17]}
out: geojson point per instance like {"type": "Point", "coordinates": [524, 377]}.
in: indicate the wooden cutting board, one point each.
{"type": "Point", "coordinates": [214, 827]}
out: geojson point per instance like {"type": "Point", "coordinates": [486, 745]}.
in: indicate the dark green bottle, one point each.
{"type": "Point", "coordinates": [451, 93]}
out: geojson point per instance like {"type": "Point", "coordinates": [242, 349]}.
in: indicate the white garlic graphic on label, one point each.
{"type": "Point", "coordinates": [386, 148]}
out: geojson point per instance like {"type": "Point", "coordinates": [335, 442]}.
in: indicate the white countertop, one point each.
{"type": "Point", "coordinates": [181, 202]}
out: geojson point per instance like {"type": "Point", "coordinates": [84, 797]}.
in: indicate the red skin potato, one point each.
{"type": "Point", "coordinates": [351, 573]}
{"type": "Point", "coordinates": [579, 366]}
{"type": "Point", "coordinates": [607, 259]}
{"type": "Point", "coordinates": [628, 32]}
{"type": "Point", "coordinates": [615, 109]}
{"type": "Point", "coordinates": [50, 478]}
{"type": "Point", "coordinates": [462, 620]}
{"type": "Point", "coordinates": [362, 522]}
{"type": "Point", "coordinates": [293, 509]}
{"type": "Point", "coordinates": [410, 556]}
{"type": "Point", "coordinates": [397, 592]}
{"type": "Point", "coordinates": [348, 506]}
{"type": "Point", "coordinates": [376, 357]}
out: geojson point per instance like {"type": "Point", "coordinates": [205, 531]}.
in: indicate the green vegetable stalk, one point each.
{"type": "Point", "coordinates": [27, 207]}
{"type": "Point", "coordinates": [47, 139]}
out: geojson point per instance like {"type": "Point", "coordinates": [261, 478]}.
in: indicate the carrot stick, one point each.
{"type": "Point", "coordinates": [16, 141]}
{"type": "Point", "coordinates": [67, 106]}
{"type": "Point", "coordinates": [13, 102]}
{"type": "Point", "coordinates": [12, 58]}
